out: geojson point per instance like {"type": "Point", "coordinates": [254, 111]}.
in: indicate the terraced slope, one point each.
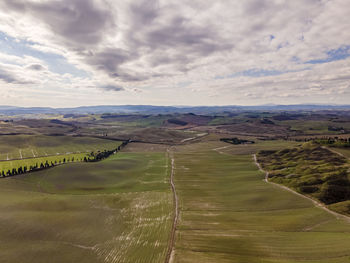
{"type": "Point", "coordinates": [117, 210]}
{"type": "Point", "coordinates": [311, 170]}
{"type": "Point", "coordinates": [229, 214]}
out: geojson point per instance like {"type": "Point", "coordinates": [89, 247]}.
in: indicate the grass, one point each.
{"type": "Point", "coordinates": [116, 210]}
{"type": "Point", "coordinates": [120, 210]}
{"type": "Point", "coordinates": [244, 149]}
{"type": "Point", "coordinates": [229, 214]}
{"type": "Point", "coordinates": [313, 126]}
{"type": "Point", "coordinates": [311, 170]}
{"type": "Point", "coordinates": [344, 151]}
{"type": "Point", "coordinates": [29, 146]}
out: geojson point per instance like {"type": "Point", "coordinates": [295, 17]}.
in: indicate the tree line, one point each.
{"type": "Point", "coordinates": [236, 141]}
{"type": "Point", "coordinates": [36, 167]}
{"type": "Point", "coordinates": [335, 141]}
{"type": "Point", "coordinates": [95, 157]}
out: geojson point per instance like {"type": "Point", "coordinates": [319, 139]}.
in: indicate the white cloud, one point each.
{"type": "Point", "coordinates": [150, 47]}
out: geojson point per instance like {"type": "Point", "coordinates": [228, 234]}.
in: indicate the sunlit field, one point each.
{"type": "Point", "coordinates": [31, 146]}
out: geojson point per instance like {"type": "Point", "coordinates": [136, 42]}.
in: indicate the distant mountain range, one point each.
{"type": "Point", "coordinates": [149, 109]}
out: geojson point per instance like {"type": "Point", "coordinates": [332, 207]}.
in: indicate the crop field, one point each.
{"type": "Point", "coordinates": [30, 146]}
{"type": "Point", "coordinates": [229, 214]}
{"type": "Point", "coordinates": [116, 210]}
{"type": "Point", "coordinates": [122, 209]}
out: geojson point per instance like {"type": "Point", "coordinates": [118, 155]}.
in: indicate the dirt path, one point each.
{"type": "Point", "coordinates": [334, 151]}
{"type": "Point", "coordinates": [316, 203]}
{"type": "Point", "coordinates": [196, 137]}
{"type": "Point", "coordinates": [221, 148]}
{"type": "Point", "coordinates": [170, 254]}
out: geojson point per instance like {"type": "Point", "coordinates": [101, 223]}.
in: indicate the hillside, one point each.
{"type": "Point", "coordinates": [312, 170]}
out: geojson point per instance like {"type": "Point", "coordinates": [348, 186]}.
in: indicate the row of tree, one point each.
{"type": "Point", "coordinates": [236, 141]}
{"type": "Point", "coordinates": [37, 167]}
{"type": "Point", "coordinates": [335, 141]}
{"type": "Point", "coordinates": [321, 140]}
{"type": "Point", "coordinates": [95, 157]}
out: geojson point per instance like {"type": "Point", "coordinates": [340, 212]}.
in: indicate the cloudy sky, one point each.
{"type": "Point", "coordinates": [62, 53]}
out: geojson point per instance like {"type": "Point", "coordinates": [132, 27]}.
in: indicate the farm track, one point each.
{"type": "Point", "coordinates": [334, 151]}
{"type": "Point", "coordinates": [315, 202]}
{"type": "Point", "coordinates": [221, 148]}
{"type": "Point", "coordinates": [170, 254]}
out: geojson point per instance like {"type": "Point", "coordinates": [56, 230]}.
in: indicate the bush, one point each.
{"type": "Point", "coordinates": [266, 152]}
{"type": "Point", "coordinates": [308, 189]}
{"type": "Point", "coordinates": [332, 193]}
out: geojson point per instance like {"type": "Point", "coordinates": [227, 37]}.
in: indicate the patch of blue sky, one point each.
{"type": "Point", "coordinates": [183, 84]}
{"type": "Point", "coordinates": [333, 55]}
{"type": "Point", "coordinates": [56, 63]}
{"type": "Point", "coordinates": [254, 73]}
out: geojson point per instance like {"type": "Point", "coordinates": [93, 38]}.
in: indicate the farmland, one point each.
{"type": "Point", "coordinates": [45, 151]}
{"type": "Point", "coordinates": [117, 210]}
{"type": "Point", "coordinates": [184, 189]}
{"type": "Point", "coordinates": [31, 146]}
{"type": "Point", "coordinates": [229, 214]}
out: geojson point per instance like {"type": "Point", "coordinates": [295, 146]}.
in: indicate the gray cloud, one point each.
{"type": "Point", "coordinates": [109, 61]}
{"type": "Point", "coordinates": [11, 78]}
{"type": "Point", "coordinates": [112, 87]}
{"type": "Point", "coordinates": [177, 43]}
{"type": "Point", "coordinates": [36, 67]}
{"type": "Point", "coordinates": [7, 77]}
{"type": "Point", "coordinates": [80, 22]}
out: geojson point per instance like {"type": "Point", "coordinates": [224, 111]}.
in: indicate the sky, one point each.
{"type": "Point", "coordinates": [67, 53]}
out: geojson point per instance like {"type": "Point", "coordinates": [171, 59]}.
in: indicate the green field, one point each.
{"type": "Point", "coordinates": [229, 214]}
{"type": "Point", "coordinates": [116, 210]}
{"type": "Point", "coordinates": [29, 146]}
{"type": "Point", "coordinates": [121, 210]}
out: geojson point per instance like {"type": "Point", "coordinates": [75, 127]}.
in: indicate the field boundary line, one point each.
{"type": "Point", "coordinates": [170, 253]}
{"type": "Point", "coordinates": [315, 202]}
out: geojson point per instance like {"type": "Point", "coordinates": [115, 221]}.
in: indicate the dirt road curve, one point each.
{"type": "Point", "coordinates": [316, 203]}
